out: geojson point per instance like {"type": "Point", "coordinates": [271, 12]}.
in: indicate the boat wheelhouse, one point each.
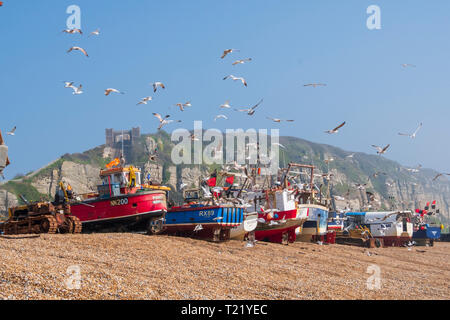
{"type": "Point", "coordinates": [121, 200]}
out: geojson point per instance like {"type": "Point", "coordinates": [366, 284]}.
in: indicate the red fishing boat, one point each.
{"type": "Point", "coordinates": [284, 209]}
{"type": "Point", "coordinates": [121, 200]}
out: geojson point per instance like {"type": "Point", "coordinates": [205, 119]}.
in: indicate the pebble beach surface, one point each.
{"type": "Point", "coordinates": [136, 266]}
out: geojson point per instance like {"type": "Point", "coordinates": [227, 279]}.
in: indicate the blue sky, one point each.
{"type": "Point", "coordinates": [180, 43]}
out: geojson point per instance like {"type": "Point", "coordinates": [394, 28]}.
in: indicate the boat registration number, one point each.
{"type": "Point", "coordinates": [206, 213]}
{"type": "Point", "coordinates": [119, 202]}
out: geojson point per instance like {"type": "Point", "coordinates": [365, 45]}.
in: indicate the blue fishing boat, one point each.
{"type": "Point", "coordinates": [195, 219]}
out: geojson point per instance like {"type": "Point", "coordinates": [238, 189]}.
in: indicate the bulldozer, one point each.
{"type": "Point", "coordinates": [359, 236]}
{"type": "Point", "coordinates": [41, 217]}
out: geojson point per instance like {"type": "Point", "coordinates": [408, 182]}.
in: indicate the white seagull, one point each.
{"type": "Point", "coordinates": [335, 130]}
{"type": "Point", "coordinates": [78, 90]}
{"type": "Point", "coordinates": [12, 132]}
{"type": "Point", "coordinates": [156, 85]}
{"type": "Point", "coordinates": [279, 120]}
{"type": "Point", "coordinates": [440, 175]}
{"type": "Point", "coordinates": [405, 65]}
{"type": "Point", "coordinates": [242, 61]}
{"type": "Point", "coordinates": [110, 90]}
{"type": "Point", "coordinates": [68, 84]}
{"type": "Point", "coordinates": [220, 116]}
{"type": "Point", "coordinates": [381, 150]}
{"type": "Point", "coordinates": [250, 111]}
{"type": "Point", "coordinates": [314, 85]}
{"type": "Point", "coordinates": [145, 100]}
{"type": "Point", "coordinates": [163, 121]}
{"type": "Point", "coordinates": [95, 33]}
{"type": "Point", "coordinates": [228, 51]}
{"type": "Point", "coordinates": [236, 79]}
{"type": "Point", "coordinates": [413, 135]}
{"type": "Point", "coordinates": [79, 49]}
{"type": "Point", "coordinates": [73, 31]}
{"type": "Point", "coordinates": [414, 170]}
{"type": "Point", "coordinates": [183, 105]}
{"type": "Point", "coordinates": [226, 105]}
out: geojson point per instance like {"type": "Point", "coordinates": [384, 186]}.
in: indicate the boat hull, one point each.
{"type": "Point", "coordinates": [250, 223]}
{"type": "Point", "coordinates": [280, 229]}
{"type": "Point", "coordinates": [316, 223]}
{"type": "Point", "coordinates": [130, 210]}
{"type": "Point", "coordinates": [213, 223]}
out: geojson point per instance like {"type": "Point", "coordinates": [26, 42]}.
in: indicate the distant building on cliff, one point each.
{"type": "Point", "coordinates": [114, 140]}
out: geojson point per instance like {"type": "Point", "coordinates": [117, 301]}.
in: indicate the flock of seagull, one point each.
{"type": "Point", "coordinates": [250, 111]}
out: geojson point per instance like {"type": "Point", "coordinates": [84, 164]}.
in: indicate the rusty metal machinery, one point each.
{"type": "Point", "coordinates": [41, 217]}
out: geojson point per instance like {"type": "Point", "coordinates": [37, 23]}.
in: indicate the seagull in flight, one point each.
{"type": "Point", "coordinates": [350, 156]}
{"type": "Point", "coordinates": [110, 90]}
{"type": "Point", "coordinates": [77, 90]}
{"type": "Point", "coordinates": [95, 33]}
{"type": "Point", "coordinates": [439, 175]}
{"type": "Point", "coordinates": [68, 84]}
{"type": "Point", "coordinates": [156, 85]}
{"type": "Point", "coordinates": [405, 65]}
{"type": "Point", "coordinates": [236, 79]}
{"type": "Point", "coordinates": [226, 105]}
{"type": "Point", "coordinates": [335, 130]}
{"type": "Point", "coordinates": [183, 105]}
{"type": "Point", "coordinates": [220, 116]}
{"type": "Point", "coordinates": [279, 120]}
{"type": "Point", "coordinates": [12, 132]}
{"type": "Point", "coordinates": [380, 150]}
{"type": "Point", "coordinates": [361, 186]}
{"type": "Point", "coordinates": [413, 135]}
{"type": "Point", "coordinates": [79, 49]}
{"type": "Point", "coordinates": [314, 85]}
{"type": "Point", "coordinates": [163, 121]}
{"type": "Point", "coordinates": [242, 61]}
{"type": "Point", "coordinates": [145, 100]}
{"type": "Point", "coordinates": [252, 110]}
{"type": "Point", "coordinates": [73, 31]}
{"type": "Point", "coordinates": [415, 170]}
{"type": "Point", "coordinates": [228, 51]}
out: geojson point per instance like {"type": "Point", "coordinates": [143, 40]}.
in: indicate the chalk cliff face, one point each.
{"type": "Point", "coordinates": [391, 184]}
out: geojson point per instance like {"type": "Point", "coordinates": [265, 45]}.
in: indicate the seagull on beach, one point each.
{"type": "Point", "coordinates": [314, 85]}
{"type": "Point", "coordinates": [336, 130]}
{"type": "Point", "coordinates": [380, 150]}
{"type": "Point", "coordinates": [110, 90]}
{"type": "Point", "coordinates": [228, 51]}
{"type": "Point", "coordinates": [183, 105]}
{"type": "Point", "coordinates": [79, 49]}
{"type": "Point", "coordinates": [279, 120]}
{"type": "Point", "coordinates": [242, 61]}
{"type": "Point", "coordinates": [413, 135]}
{"type": "Point", "coordinates": [156, 85]}
{"type": "Point", "coordinates": [236, 79]}
{"type": "Point", "coordinates": [252, 110]}
{"type": "Point", "coordinates": [220, 116]}
{"type": "Point", "coordinates": [145, 100]}
{"type": "Point", "coordinates": [12, 132]}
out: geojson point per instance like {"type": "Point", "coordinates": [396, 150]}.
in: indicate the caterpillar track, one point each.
{"type": "Point", "coordinates": [41, 218]}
